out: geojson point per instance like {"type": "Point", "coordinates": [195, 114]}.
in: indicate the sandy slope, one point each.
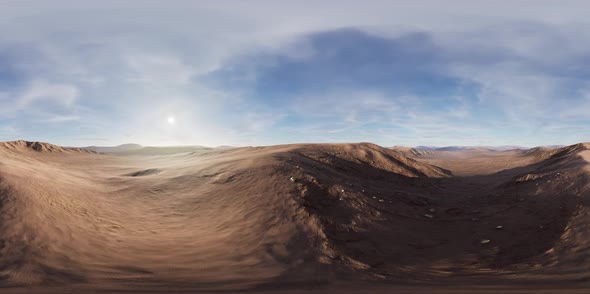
{"type": "Point", "coordinates": [292, 218]}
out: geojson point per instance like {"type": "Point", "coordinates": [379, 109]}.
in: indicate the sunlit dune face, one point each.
{"type": "Point", "coordinates": [171, 120]}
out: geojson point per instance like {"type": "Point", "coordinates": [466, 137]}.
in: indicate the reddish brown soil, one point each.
{"type": "Point", "coordinates": [295, 218]}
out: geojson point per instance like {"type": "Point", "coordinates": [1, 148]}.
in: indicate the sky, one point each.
{"type": "Point", "coordinates": [434, 73]}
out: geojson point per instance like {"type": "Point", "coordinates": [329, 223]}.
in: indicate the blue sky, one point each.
{"type": "Point", "coordinates": [274, 72]}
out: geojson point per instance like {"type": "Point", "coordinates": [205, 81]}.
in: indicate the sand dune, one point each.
{"type": "Point", "coordinates": [323, 218]}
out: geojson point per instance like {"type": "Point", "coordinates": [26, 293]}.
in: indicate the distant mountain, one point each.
{"type": "Point", "coordinates": [453, 150]}
{"type": "Point", "coordinates": [166, 150]}
{"type": "Point", "coordinates": [469, 148]}
{"type": "Point", "coordinates": [116, 149]}
{"type": "Point", "coordinates": [136, 149]}
{"type": "Point", "coordinates": [409, 151]}
{"type": "Point", "coordinates": [426, 147]}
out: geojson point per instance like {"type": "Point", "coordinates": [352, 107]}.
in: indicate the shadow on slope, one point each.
{"type": "Point", "coordinates": [383, 225]}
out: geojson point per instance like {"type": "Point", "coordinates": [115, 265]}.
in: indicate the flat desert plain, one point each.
{"type": "Point", "coordinates": [319, 218]}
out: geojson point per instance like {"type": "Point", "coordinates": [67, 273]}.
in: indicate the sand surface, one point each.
{"type": "Point", "coordinates": [330, 218]}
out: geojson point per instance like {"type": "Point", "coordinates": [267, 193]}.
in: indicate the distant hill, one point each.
{"type": "Point", "coordinates": [115, 149]}
{"type": "Point", "coordinates": [41, 147]}
{"type": "Point", "coordinates": [469, 148]}
{"type": "Point", "coordinates": [167, 150]}
{"type": "Point", "coordinates": [452, 150]}
{"type": "Point", "coordinates": [136, 149]}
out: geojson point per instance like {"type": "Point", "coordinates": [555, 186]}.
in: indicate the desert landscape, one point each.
{"type": "Point", "coordinates": [320, 218]}
{"type": "Point", "coordinates": [222, 146]}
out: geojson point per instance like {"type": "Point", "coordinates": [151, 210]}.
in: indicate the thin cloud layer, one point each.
{"type": "Point", "coordinates": [271, 73]}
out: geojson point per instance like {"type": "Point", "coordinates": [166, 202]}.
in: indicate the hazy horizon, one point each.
{"type": "Point", "coordinates": [213, 73]}
{"type": "Point", "coordinates": [499, 147]}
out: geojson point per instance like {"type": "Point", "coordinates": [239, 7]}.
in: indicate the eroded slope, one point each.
{"type": "Point", "coordinates": [285, 216]}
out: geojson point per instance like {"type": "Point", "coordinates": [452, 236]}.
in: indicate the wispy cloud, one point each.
{"type": "Point", "coordinates": [268, 72]}
{"type": "Point", "coordinates": [40, 91]}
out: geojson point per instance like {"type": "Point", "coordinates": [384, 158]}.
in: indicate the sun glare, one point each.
{"type": "Point", "coordinates": [171, 120]}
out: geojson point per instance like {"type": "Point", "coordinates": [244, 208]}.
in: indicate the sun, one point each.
{"type": "Point", "coordinates": [171, 120]}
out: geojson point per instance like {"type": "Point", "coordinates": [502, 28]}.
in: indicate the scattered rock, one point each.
{"type": "Point", "coordinates": [433, 210]}
{"type": "Point", "coordinates": [428, 215]}
{"type": "Point", "coordinates": [292, 179]}
{"type": "Point", "coordinates": [341, 199]}
{"type": "Point", "coordinates": [342, 190]}
{"type": "Point", "coordinates": [381, 200]}
{"type": "Point", "coordinates": [527, 177]}
{"type": "Point", "coordinates": [141, 173]}
{"type": "Point", "coordinates": [485, 241]}
{"type": "Point", "coordinates": [499, 227]}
